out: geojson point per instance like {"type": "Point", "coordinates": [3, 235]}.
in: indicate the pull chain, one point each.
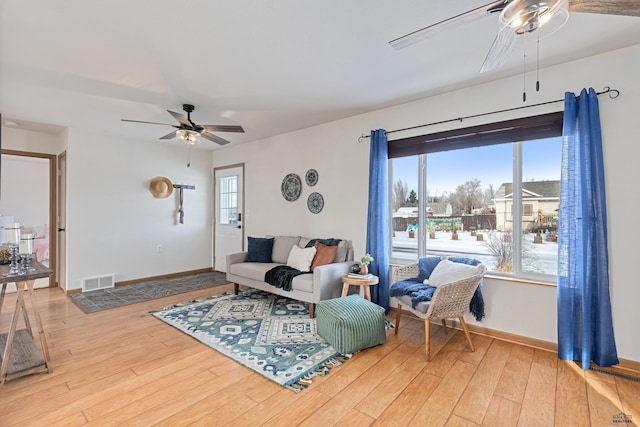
{"type": "Point", "coordinates": [524, 69]}
{"type": "Point", "coordinates": [538, 64]}
{"type": "Point", "coordinates": [188, 155]}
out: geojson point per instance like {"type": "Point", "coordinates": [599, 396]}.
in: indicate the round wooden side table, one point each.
{"type": "Point", "coordinates": [358, 281]}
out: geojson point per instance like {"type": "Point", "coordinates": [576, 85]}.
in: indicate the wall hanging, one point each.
{"type": "Point", "coordinates": [291, 187]}
{"type": "Point", "coordinates": [311, 177]}
{"type": "Point", "coordinates": [315, 203]}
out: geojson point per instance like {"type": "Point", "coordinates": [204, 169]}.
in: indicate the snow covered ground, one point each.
{"type": "Point", "coordinates": [544, 257]}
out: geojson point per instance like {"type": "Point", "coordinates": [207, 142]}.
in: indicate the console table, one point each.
{"type": "Point", "coordinates": [20, 355]}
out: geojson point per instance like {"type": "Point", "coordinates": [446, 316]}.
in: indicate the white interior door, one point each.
{"type": "Point", "coordinates": [228, 214]}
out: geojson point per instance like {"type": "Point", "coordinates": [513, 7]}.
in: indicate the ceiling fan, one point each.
{"type": "Point", "coordinates": [190, 132]}
{"type": "Point", "coordinates": [519, 18]}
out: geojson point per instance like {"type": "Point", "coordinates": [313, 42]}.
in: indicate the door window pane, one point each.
{"type": "Point", "coordinates": [228, 212]}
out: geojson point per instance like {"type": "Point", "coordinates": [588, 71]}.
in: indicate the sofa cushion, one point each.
{"type": "Point", "coordinates": [300, 258]}
{"type": "Point", "coordinates": [252, 270]}
{"type": "Point", "coordinates": [341, 253]}
{"type": "Point", "coordinates": [324, 255]}
{"type": "Point", "coordinates": [405, 300]}
{"type": "Point", "coordinates": [282, 248]}
{"type": "Point", "coordinates": [259, 249]}
{"type": "Point", "coordinates": [447, 272]}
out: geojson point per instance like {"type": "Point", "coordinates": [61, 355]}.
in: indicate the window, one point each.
{"type": "Point", "coordinates": [228, 200]}
{"type": "Point", "coordinates": [496, 200]}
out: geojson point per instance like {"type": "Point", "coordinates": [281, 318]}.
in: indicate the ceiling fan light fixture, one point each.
{"type": "Point", "coordinates": [526, 16]}
{"type": "Point", "coordinates": [191, 137]}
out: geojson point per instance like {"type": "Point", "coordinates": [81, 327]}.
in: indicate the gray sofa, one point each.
{"type": "Point", "coordinates": [325, 282]}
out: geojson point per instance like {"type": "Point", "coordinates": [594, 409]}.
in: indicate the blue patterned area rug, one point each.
{"type": "Point", "coordinates": [272, 335]}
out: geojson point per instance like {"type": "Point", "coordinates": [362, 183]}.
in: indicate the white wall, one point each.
{"type": "Point", "coordinates": [332, 149]}
{"type": "Point", "coordinates": [25, 189]}
{"type": "Point", "coordinates": [36, 142]}
{"type": "Point", "coordinates": [114, 224]}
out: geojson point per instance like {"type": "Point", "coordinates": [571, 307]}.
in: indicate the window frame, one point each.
{"type": "Point", "coordinates": [514, 132]}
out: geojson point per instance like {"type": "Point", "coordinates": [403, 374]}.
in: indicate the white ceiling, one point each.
{"type": "Point", "coordinates": [271, 66]}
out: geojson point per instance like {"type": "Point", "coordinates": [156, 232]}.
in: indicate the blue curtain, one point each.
{"type": "Point", "coordinates": [585, 326]}
{"type": "Point", "coordinates": [378, 222]}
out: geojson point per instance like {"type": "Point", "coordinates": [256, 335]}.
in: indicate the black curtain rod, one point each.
{"type": "Point", "coordinates": [613, 93]}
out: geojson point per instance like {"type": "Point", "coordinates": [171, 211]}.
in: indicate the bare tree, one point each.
{"type": "Point", "coordinates": [467, 197]}
{"type": "Point", "coordinates": [400, 190]}
{"type": "Point", "coordinates": [489, 195]}
{"type": "Point", "coordinates": [500, 245]}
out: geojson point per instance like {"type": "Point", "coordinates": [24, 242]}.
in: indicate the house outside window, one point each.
{"type": "Point", "coordinates": [460, 202]}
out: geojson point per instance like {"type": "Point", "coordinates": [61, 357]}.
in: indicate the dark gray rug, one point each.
{"type": "Point", "coordinates": [103, 299]}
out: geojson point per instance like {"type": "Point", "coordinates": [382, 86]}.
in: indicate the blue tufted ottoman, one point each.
{"type": "Point", "coordinates": [351, 323]}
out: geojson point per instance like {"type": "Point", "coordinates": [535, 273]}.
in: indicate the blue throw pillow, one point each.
{"type": "Point", "coordinates": [260, 249]}
{"type": "Point", "coordinates": [426, 266]}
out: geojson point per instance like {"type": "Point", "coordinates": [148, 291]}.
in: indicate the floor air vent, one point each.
{"type": "Point", "coordinates": [98, 282]}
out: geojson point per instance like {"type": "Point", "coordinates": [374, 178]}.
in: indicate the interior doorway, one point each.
{"type": "Point", "coordinates": [228, 213]}
{"type": "Point", "coordinates": [29, 195]}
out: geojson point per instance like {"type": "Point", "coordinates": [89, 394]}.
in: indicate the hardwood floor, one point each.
{"type": "Point", "coordinates": [124, 367]}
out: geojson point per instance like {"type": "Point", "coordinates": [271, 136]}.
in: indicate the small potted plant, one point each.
{"type": "Point", "coordinates": [364, 263]}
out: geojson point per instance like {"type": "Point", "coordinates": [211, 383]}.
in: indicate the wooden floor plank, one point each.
{"type": "Point", "coordinates": [572, 406]}
{"type": "Point", "coordinates": [438, 408]}
{"type": "Point", "coordinates": [630, 396]}
{"type": "Point", "coordinates": [380, 397]}
{"type": "Point", "coordinates": [604, 399]}
{"type": "Point", "coordinates": [502, 412]}
{"type": "Point", "coordinates": [538, 405]}
{"type": "Point", "coordinates": [404, 408]}
{"type": "Point", "coordinates": [513, 381]}
{"type": "Point", "coordinates": [476, 397]}
{"type": "Point", "coordinates": [355, 392]}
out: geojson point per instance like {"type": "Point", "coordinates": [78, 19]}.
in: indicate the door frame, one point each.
{"type": "Point", "coordinates": [61, 210]}
{"type": "Point", "coordinates": [53, 203]}
{"type": "Point", "coordinates": [215, 207]}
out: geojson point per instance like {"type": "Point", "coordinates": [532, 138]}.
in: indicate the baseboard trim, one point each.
{"type": "Point", "coordinates": [625, 364]}
{"type": "Point", "coordinates": [163, 276]}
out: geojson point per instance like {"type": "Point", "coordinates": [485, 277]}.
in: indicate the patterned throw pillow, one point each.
{"type": "Point", "coordinates": [259, 249]}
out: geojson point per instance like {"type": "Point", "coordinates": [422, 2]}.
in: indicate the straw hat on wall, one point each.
{"type": "Point", "coordinates": [161, 187]}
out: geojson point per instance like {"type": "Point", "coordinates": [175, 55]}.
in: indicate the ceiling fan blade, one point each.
{"type": "Point", "coordinates": [169, 135]}
{"type": "Point", "coordinates": [180, 118]}
{"type": "Point", "coordinates": [149, 123]}
{"type": "Point", "coordinates": [500, 49]}
{"type": "Point", "coordinates": [223, 128]}
{"type": "Point", "coordinates": [433, 29]}
{"type": "Point", "coordinates": [214, 138]}
{"type": "Point", "coordinates": [606, 7]}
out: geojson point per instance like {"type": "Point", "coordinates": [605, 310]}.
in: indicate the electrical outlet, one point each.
{"type": "Point", "coordinates": [159, 248]}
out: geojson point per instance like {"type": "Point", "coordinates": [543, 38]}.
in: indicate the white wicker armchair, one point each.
{"type": "Point", "coordinates": [449, 301]}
